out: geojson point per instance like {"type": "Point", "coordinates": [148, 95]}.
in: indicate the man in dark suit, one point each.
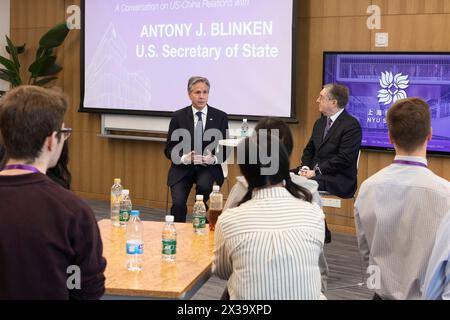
{"type": "Point", "coordinates": [197, 157]}
{"type": "Point", "coordinates": [331, 154]}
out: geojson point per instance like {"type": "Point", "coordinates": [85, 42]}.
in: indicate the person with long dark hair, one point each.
{"type": "Point", "coordinates": [60, 172]}
{"type": "Point", "coordinates": [280, 128]}
{"type": "Point", "coordinates": [269, 246]}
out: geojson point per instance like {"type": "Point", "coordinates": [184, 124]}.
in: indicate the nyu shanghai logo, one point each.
{"type": "Point", "coordinates": [393, 87]}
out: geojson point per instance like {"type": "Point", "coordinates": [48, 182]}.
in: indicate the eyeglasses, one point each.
{"type": "Point", "coordinates": [66, 132]}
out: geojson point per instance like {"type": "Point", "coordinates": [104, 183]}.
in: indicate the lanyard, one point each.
{"type": "Point", "coordinates": [411, 163]}
{"type": "Point", "coordinates": [21, 167]}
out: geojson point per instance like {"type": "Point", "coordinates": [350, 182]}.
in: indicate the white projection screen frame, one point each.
{"type": "Point", "coordinates": [4, 30]}
{"type": "Point", "coordinates": [137, 55]}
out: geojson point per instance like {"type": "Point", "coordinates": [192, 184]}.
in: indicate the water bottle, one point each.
{"type": "Point", "coordinates": [244, 128]}
{"type": "Point", "coordinates": [169, 240]}
{"type": "Point", "coordinates": [116, 197]}
{"type": "Point", "coordinates": [135, 242]}
{"type": "Point", "coordinates": [215, 207]}
{"type": "Point", "coordinates": [199, 215]}
{"type": "Point", "coordinates": [125, 208]}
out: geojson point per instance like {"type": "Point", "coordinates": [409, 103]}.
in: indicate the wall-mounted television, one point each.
{"type": "Point", "coordinates": [378, 79]}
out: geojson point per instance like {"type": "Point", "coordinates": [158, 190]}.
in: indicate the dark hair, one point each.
{"type": "Point", "coordinates": [2, 156]}
{"type": "Point", "coordinates": [28, 115]}
{"type": "Point", "coordinates": [252, 170]}
{"type": "Point", "coordinates": [338, 92]}
{"type": "Point", "coordinates": [409, 123]}
{"type": "Point", "coordinates": [284, 133]}
{"type": "Point", "coordinates": [60, 172]}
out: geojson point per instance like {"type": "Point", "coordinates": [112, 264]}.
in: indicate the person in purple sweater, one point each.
{"type": "Point", "coordinates": [50, 245]}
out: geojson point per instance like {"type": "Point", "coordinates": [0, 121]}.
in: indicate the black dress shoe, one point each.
{"type": "Point", "coordinates": [327, 236]}
{"type": "Point", "coordinates": [327, 233]}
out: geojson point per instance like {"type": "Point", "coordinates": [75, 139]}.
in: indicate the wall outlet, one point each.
{"type": "Point", "coordinates": [381, 39]}
{"type": "Point", "coordinates": [331, 202]}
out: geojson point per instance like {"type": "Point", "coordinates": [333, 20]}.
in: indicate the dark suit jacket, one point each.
{"type": "Point", "coordinates": [336, 155]}
{"type": "Point", "coordinates": [184, 119]}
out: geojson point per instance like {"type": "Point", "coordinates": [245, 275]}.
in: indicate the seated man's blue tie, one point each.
{"type": "Point", "coordinates": [198, 134]}
{"type": "Point", "coordinates": [327, 127]}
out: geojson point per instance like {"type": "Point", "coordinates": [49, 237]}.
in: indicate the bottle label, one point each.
{"type": "Point", "coordinates": [169, 246]}
{"type": "Point", "coordinates": [124, 215]}
{"type": "Point", "coordinates": [199, 222]}
{"type": "Point", "coordinates": [114, 199]}
{"type": "Point", "coordinates": [135, 247]}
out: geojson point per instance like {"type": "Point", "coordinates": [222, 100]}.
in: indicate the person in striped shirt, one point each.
{"type": "Point", "coordinates": [241, 186]}
{"type": "Point", "coordinates": [268, 247]}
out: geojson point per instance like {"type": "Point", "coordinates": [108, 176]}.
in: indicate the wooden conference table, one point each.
{"type": "Point", "coordinates": [158, 279]}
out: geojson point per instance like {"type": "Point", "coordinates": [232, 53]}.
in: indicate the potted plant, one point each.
{"type": "Point", "coordinates": [42, 71]}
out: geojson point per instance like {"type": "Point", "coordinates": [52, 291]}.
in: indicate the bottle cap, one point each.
{"type": "Point", "coordinates": [134, 212]}
{"type": "Point", "coordinates": [216, 188]}
{"type": "Point", "coordinates": [199, 197]}
{"type": "Point", "coordinates": [169, 218]}
{"type": "Point", "coordinates": [116, 180]}
{"type": "Point", "coordinates": [125, 192]}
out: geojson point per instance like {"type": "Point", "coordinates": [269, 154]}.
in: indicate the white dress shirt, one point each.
{"type": "Point", "coordinates": [204, 112]}
{"type": "Point", "coordinates": [397, 214]}
{"type": "Point", "coordinates": [335, 116]}
{"type": "Point", "coordinates": [269, 247]}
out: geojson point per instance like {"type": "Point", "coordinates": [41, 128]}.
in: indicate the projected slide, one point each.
{"type": "Point", "coordinates": [139, 54]}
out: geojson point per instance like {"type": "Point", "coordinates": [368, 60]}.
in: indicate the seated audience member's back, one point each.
{"type": "Point", "coordinates": [399, 209]}
{"type": "Point", "coordinates": [268, 247]}
{"type": "Point", "coordinates": [50, 244]}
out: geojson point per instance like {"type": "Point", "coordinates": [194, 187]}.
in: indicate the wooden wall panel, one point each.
{"type": "Point", "coordinates": [322, 25]}
{"type": "Point", "coordinates": [416, 32]}
{"type": "Point", "coordinates": [33, 14]}
{"type": "Point", "coordinates": [413, 7]}
{"type": "Point", "coordinates": [332, 8]}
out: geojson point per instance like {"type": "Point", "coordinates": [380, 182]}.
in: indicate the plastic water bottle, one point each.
{"type": "Point", "coordinates": [244, 128]}
{"type": "Point", "coordinates": [135, 242]}
{"type": "Point", "coordinates": [199, 215]}
{"type": "Point", "coordinates": [125, 208]}
{"type": "Point", "coordinates": [169, 240]}
{"type": "Point", "coordinates": [215, 207]}
{"type": "Point", "coordinates": [116, 197]}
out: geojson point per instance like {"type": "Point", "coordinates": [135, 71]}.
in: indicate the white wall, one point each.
{"type": "Point", "coordinates": [4, 30]}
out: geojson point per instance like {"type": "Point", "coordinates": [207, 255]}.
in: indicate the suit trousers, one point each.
{"type": "Point", "coordinates": [203, 180]}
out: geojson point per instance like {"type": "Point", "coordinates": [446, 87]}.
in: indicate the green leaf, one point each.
{"type": "Point", "coordinates": [20, 49]}
{"type": "Point", "coordinates": [10, 76]}
{"type": "Point", "coordinates": [41, 65]}
{"type": "Point", "coordinates": [50, 71]}
{"type": "Point", "coordinates": [42, 52]}
{"type": "Point", "coordinates": [13, 52]}
{"type": "Point", "coordinates": [8, 64]}
{"type": "Point", "coordinates": [55, 36]}
{"type": "Point", "coordinates": [5, 77]}
{"type": "Point", "coordinates": [44, 81]}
